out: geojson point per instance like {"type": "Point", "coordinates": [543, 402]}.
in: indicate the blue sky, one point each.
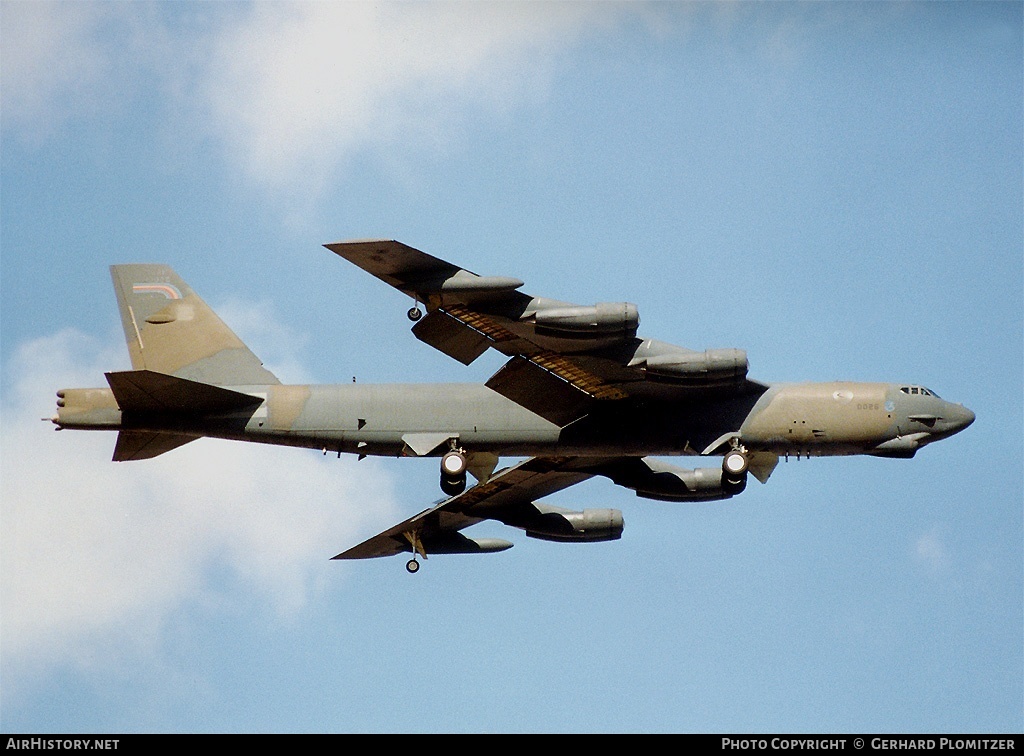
{"type": "Point", "coordinates": [836, 188]}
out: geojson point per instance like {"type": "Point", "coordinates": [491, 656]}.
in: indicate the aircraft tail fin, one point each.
{"type": "Point", "coordinates": [170, 330]}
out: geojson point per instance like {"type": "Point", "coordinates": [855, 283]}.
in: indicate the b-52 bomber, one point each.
{"type": "Point", "coordinates": [581, 395]}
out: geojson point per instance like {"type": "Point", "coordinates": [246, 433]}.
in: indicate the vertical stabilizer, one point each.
{"type": "Point", "coordinates": [170, 330]}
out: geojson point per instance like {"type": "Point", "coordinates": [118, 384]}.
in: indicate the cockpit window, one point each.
{"type": "Point", "coordinates": [918, 390]}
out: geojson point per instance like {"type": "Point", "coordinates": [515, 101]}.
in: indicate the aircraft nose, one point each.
{"type": "Point", "coordinates": [960, 417]}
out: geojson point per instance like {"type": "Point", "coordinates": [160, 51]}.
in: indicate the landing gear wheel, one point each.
{"type": "Point", "coordinates": [453, 472]}
{"type": "Point", "coordinates": [453, 486]}
{"type": "Point", "coordinates": [412, 566]}
{"type": "Point", "coordinates": [414, 314]}
{"type": "Point", "coordinates": [453, 464]}
{"type": "Point", "coordinates": [734, 464]}
{"type": "Point", "coordinates": [734, 471]}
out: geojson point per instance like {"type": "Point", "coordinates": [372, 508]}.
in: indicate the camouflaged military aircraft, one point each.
{"type": "Point", "coordinates": [580, 396]}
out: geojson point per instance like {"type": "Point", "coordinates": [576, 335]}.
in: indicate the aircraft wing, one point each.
{"type": "Point", "coordinates": [563, 356]}
{"type": "Point", "coordinates": [508, 496]}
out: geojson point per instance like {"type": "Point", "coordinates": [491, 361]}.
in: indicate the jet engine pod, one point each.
{"type": "Point", "coordinates": [711, 367]}
{"type": "Point", "coordinates": [655, 479]}
{"type": "Point", "coordinates": [557, 524]}
{"type": "Point", "coordinates": [701, 484]}
{"type": "Point", "coordinates": [604, 318]}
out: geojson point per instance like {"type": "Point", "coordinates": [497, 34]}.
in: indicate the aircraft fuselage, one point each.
{"type": "Point", "coordinates": [812, 419]}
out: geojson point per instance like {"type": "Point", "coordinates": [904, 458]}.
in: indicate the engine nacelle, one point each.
{"type": "Point", "coordinates": [604, 318]}
{"type": "Point", "coordinates": [653, 479]}
{"type": "Point", "coordinates": [702, 484]}
{"type": "Point", "coordinates": [714, 366]}
{"type": "Point", "coordinates": [557, 524]}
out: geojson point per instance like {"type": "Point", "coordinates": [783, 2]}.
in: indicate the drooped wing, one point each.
{"type": "Point", "coordinates": [467, 313]}
{"type": "Point", "coordinates": [563, 356]}
{"type": "Point", "coordinates": [507, 496]}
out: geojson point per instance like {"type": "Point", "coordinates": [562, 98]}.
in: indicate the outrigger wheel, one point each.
{"type": "Point", "coordinates": [416, 546]}
{"type": "Point", "coordinates": [415, 313]}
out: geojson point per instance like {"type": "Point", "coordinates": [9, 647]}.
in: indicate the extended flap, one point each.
{"type": "Point", "coordinates": [451, 336]}
{"type": "Point", "coordinates": [539, 390]}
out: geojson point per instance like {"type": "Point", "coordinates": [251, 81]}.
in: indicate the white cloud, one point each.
{"type": "Point", "coordinates": [43, 55]}
{"type": "Point", "coordinates": [59, 62]}
{"type": "Point", "coordinates": [296, 89]}
{"type": "Point", "coordinates": [97, 555]}
{"type": "Point", "coordinates": [264, 334]}
{"type": "Point", "coordinates": [291, 91]}
{"type": "Point", "coordinates": [932, 552]}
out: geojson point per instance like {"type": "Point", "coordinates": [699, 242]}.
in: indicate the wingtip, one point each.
{"type": "Point", "coordinates": [346, 242]}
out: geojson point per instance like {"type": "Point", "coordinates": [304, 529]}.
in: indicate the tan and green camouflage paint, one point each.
{"type": "Point", "coordinates": [824, 418]}
{"type": "Point", "coordinates": [169, 330]}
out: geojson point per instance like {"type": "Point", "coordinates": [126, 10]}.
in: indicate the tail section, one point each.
{"type": "Point", "coordinates": [142, 393]}
{"type": "Point", "coordinates": [183, 357]}
{"type": "Point", "coordinates": [170, 330]}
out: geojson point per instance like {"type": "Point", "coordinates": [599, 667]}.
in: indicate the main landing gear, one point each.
{"type": "Point", "coordinates": [735, 464]}
{"type": "Point", "coordinates": [453, 472]}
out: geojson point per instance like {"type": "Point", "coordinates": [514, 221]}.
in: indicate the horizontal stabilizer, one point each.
{"type": "Point", "coordinates": [147, 391]}
{"type": "Point", "coordinates": [132, 444]}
